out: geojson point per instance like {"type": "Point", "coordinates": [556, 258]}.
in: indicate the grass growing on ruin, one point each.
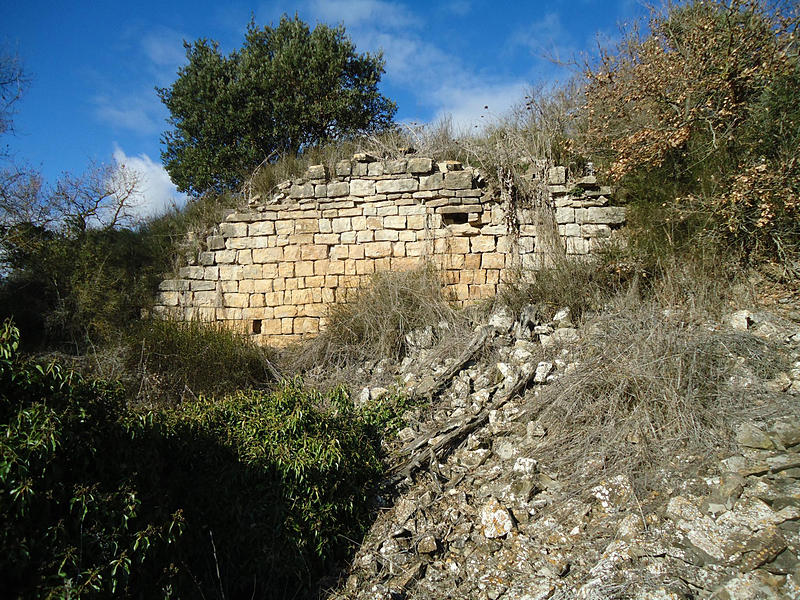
{"type": "Point", "coordinates": [374, 322]}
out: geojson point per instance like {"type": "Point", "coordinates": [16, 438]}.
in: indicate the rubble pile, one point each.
{"type": "Point", "coordinates": [480, 516]}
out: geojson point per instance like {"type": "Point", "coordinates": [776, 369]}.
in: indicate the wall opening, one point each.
{"type": "Point", "coordinates": [256, 325]}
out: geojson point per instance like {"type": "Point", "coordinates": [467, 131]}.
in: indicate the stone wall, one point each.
{"type": "Point", "coordinates": [272, 270]}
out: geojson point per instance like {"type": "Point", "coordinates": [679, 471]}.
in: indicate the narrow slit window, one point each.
{"type": "Point", "coordinates": [455, 218]}
{"type": "Point", "coordinates": [256, 325]}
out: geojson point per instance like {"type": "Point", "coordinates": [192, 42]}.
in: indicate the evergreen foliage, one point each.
{"type": "Point", "coordinates": [286, 88]}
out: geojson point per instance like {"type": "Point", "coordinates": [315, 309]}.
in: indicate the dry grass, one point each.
{"type": "Point", "coordinates": [374, 323]}
{"type": "Point", "coordinates": [654, 381]}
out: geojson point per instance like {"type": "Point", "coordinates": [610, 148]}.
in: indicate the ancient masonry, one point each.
{"type": "Point", "coordinates": [273, 271]}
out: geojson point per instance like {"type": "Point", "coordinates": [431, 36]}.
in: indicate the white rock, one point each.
{"type": "Point", "coordinates": [495, 520]}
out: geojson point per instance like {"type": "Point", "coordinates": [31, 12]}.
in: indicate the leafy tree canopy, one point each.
{"type": "Point", "coordinates": [286, 88]}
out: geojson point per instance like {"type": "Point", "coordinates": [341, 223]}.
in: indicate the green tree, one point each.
{"type": "Point", "coordinates": [288, 87]}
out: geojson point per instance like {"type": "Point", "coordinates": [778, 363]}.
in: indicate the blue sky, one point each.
{"type": "Point", "coordinates": [94, 65]}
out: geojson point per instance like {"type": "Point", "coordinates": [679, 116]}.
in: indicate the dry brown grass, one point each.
{"type": "Point", "coordinates": [655, 379]}
{"type": "Point", "coordinates": [374, 323]}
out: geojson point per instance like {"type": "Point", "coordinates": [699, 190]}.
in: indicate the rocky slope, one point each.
{"type": "Point", "coordinates": [485, 512]}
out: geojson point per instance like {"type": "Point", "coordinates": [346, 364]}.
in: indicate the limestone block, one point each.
{"type": "Point", "coordinates": [416, 248]}
{"type": "Point", "coordinates": [261, 228]}
{"type": "Point", "coordinates": [375, 169]}
{"type": "Point", "coordinates": [173, 285]}
{"type": "Point", "coordinates": [278, 283]}
{"type": "Point", "coordinates": [431, 182]}
{"type": "Point", "coordinates": [415, 222]}
{"type": "Point", "coordinates": [365, 236]}
{"type": "Point", "coordinates": [472, 261]}
{"type": "Point", "coordinates": [268, 255]}
{"type": "Point", "coordinates": [304, 268]}
{"type": "Point", "coordinates": [377, 249]}
{"type": "Point", "coordinates": [282, 312]}
{"type": "Point", "coordinates": [565, 215]}
{"type": "Point", "coordinates": [398, 249]}
{"type": "Point", "coordinates": [325, 225]}
{"type": "Point", "coordinates": [315, 252]}
{"type": "Point", "coordinates": [394, 167]}
{"type": "Point", "coordinates": [394, 222]}
{"type": "Point", "coordinates": [483, 243]}
{"type": "Point", "coordinates": [557, 176]}
{"type": "Point", "coordinates": [284, 227]}
{"type": "Point", "coordinates": [271, 327]}
{"type": "Point", "coordinates": [227, 286]}
{"type": "Point", "coordinates": [387, 211]}
{"type": "Point", "coordinates": [343, 168]}
{"type": "Point", "coordinates": [339, 252]}
{"type": "Point", "coordinates": [301, 297]}
{"type": "Point", "coordinates": [374, 222]}
{"type": "Point", "coordinates": [610, 215]}
{"type": "Point", "coordinates": [205, 299]}
{"type": "Point", "coordinates": [493, 276]}
{"type": "Point", "coordinates": [191, 272]}
{"type": "Point", "coordinates": [305, 190]}
{"type": "Point", "coordinates": [306, 226]}
{"type": "Point", "coordinates": [320, 190]}
{"type": "Point", "coordinates": [461, 291]}
{"type": "Point", "coordinates": [449, 165]}
{"type": "Point", "coordinates": [286, 269]}
{"type": "Point", "coordinates": [395, 186]}
{"type": "Point", "coordinates": [256, 300]}
{"type": "Point", "coordinates": [292, 283]}
{"type": "Point", "coordinates": [420, 165]}
{"type": "Point", "coordinates": [306, 325]}
{"type": "Point", "coordinates": [334, 267]}
{"type": "Point", "coordinates": [273, 298]}
{"type": "Point", "coordinates": [316, 172]}
{"type": "Point", "coordinates": [357, 223]}
{"type": "Point", "coordinates": [215, 242]}
{"type": "Point", "coordinates": [386, 235]}
{"type": "Point", "coordinates": [342, 224]}
{"type": "Point", "coordinates": [458, 180]}
{"type": "Point", "coordinates": [351, 212]}
{"type": "Point", "coordinates": [291, 252]}
{"type": "Point", "coordinates": [365, 267]}
{"type": "Point", "coordinates": [362, 187]}
{"type": "Point", "coordinates": [356, 252]}
{"type": "Point", "coordinates": [326, 238]}
{"type": "Point", "coordinates": [203, 286]}
{"type": "Point", "coordinates": [237, 243]}
{"type": "Point", "coordinates": [493, 260]}
{"type": "Point", "coordinates": [251, 272]}
{"type": "Point", "coordinates": [348, 237]}
{"type": "Point", "coordinates": [244, 257]}
{"type": "Point", "coordinates": [405, 263]}
{"type": "Point", "coordinates": [169, 298]}
{"type": "Point", "coordinates": [318, 309]}
{"type": "Point", "coordinates": [410, 235]}
{"type": "Point", "coordinates": [411, 209]}
{"type": "Point", "coordinates": [569, 230]}
{"type": "Point", "coordinates": [233, 230]}
{"type": "Point", "coordinates": [315, 281]}
{"type": "Point", "coordinates": [595, 231]}
{"type": "Point", "coordinates": [262, 285]}
{"type": "Point", "coordinates": [338, 189]}
{"type": "Point", "coordinates": [577, 246]}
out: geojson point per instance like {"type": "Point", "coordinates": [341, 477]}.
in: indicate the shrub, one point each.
{"type": "Point", "coordinates": [705, 105]}
{"type": "Point", "coordinates": [176, 359]}
{"type": "Point", "coordinates": [252, 494]}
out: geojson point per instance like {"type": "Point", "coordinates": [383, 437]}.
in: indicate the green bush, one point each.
{"type": "Point", "coordinates": [254, 494]}
{"type": "Point", "coordinates": [176, 359]}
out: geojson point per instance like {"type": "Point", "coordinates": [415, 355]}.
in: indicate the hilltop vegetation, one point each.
{"type": "Point", "coordinates": [135, 461]}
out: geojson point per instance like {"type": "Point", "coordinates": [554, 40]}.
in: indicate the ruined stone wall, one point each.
{"type": "Point", "coordinates": [273, 270]}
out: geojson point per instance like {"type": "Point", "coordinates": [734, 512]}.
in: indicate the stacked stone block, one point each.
{"type": "Point", "coordinates": [273, 270]}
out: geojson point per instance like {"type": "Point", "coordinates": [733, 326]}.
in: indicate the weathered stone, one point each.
{"type": "Point", "coordinates": [420, 165]}
{"type": "Point", "coordinates": [362, 187]}
{"type": "Point", "coordinates": [557, 176]}
{"type": "Point", "coordinates": [495, 520]}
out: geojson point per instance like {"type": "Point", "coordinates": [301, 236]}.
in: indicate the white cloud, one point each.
{"type": "Point", "coordinates": [355, 12]}
{"type": "Point", "coordinates": [157, 193]}
{"type": "Point", "coordinates": [476, 105]}
{"type": "Point", "coordinates": [139, 112]}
